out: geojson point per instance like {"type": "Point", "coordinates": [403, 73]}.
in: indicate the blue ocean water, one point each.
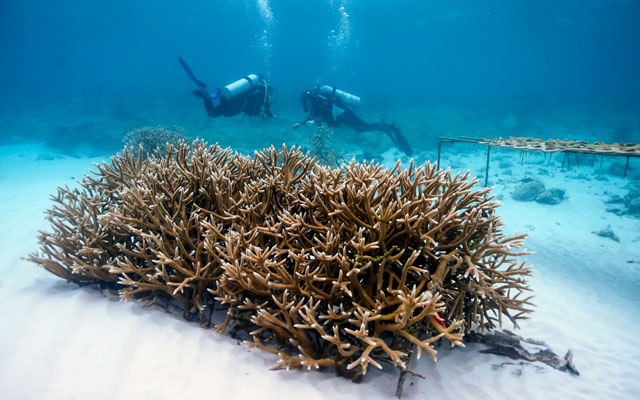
{"type": "Point", "coordinates": [76, 71]}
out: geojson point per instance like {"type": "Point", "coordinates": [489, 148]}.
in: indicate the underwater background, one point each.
{"type": "Point", "coordinates": [78, 75]}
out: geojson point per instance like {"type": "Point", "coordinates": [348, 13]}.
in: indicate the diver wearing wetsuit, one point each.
{"type": "Point", "coordinates": [255, 101]}
{"type": "Point", "coordinates": [330, 110]}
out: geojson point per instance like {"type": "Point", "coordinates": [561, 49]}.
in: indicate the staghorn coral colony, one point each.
{"type": "Point", "coordinates": [347, 267]}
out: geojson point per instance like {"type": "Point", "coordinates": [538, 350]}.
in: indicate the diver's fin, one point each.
{"type": "Point", "coordinates": [186, 68]}
{"type": "Point", "coordinates": [389, 131]}
{"type": "Point", "coordinates": [393, 138]}
{"type": "Point", "coordinates": [400, 141]}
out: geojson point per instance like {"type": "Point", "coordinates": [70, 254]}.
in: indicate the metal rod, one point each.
{"type": "Point", "coordinates": [439, 150]}
{"type": "Point", "coordinates": [575, 155]}
{"type": "Point", "coordinates": [593, 161]}
{"type": "Point", "coordinates": [626, 167]}
{"type": "Point", "coordinates": [563, 161]}
{"type": "Point", "coordinates": [486, 173]}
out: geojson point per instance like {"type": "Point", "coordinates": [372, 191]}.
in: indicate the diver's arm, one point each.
{"type": "Point", "coordinates": [268, 113]}
{"type": "Point", "coordinates": [309, 121]}
{"type": "Point", "coordinates": [311, 118]}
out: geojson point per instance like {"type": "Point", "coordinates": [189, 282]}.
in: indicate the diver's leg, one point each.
{"type": "Point", "coordinates": [201, 92]}
{"type": "Point", "coordinates": [212, 110]}
{"type": "Point", "coordinates": [350, 119]}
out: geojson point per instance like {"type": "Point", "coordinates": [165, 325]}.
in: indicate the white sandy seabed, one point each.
{"type": "Point", "coordinates": [59, 341]}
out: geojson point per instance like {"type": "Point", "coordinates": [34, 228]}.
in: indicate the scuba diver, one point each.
{"type": "Point", "coordinates": [331, 106]}
{"type": "Point", "coordinates": [250, 95]}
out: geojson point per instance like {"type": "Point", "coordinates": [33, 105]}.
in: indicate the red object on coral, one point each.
{"type": "Point", "coordinates": [440, 320]}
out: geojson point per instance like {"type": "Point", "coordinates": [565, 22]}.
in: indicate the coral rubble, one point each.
{"type": "Point", "coordinates": [534, 189]}
{"type": "Point", "coordinates": [511, 345]}
{"type": "Point", "coordinates": [528, 190]}
{"type": "Point", "coordinates": [551, 196]}
{"type": "Point", "coordinates": [607, 233]}
{"type": "Point", "coordinates": [347, 267]}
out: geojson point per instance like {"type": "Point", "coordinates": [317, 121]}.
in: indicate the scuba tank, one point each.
{"type": "Point", "coordinates": [241, 86]}
{"type": "Point", "coordinates": [343, 97]}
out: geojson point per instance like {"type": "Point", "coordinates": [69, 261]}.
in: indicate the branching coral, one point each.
{"type": "Point", "coordinates": [346, 267]}
{"type": "Point", "coordinates": [321, 149]}
{"type": "Point", "coordinates": [149, 139]}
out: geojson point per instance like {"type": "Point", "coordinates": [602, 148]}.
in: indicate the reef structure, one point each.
{"type": "Point", "coordinates": [565, 145]}
{"type": "Point", "coordinates": [550, 146]}
{"type": "Point", "coordinates": [346, 267]}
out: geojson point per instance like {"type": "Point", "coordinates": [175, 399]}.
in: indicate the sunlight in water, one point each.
{"type": "Point", "coordinates": [265, 10]}
{"type": "Point", "coordinates": [264, 38]}
{"type": "Point", "coordinates": [339, 39]}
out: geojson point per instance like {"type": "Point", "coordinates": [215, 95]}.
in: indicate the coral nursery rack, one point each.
{"type": "Point", "coordinates": [549, 146]}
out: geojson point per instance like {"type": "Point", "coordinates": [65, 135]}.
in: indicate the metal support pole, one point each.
{"type": "Point", "coordinates": [439, 150]}
{"type": "Point", "coordinates": [593, 161]}
{"type": "Point", "coordinates": [563, 161]}
{"type": "Point", "coordinates": [486, 172]}
{"type": "Point", "coordinates": [626, 167]}
{"type": "Point", "coordinates": [575, 155]}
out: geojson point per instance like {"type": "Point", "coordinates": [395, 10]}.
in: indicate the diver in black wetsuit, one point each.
{"type": "Point", "coordinates": [328, 105]}
{"type": "Point", "coordinates": [250, 95]}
